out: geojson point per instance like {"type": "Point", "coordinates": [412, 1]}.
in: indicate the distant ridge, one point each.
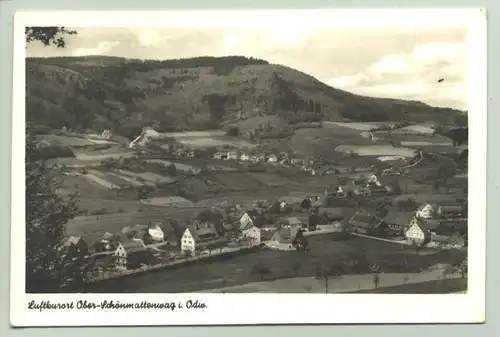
{"type": "Point", "coordinates": [124, 95]}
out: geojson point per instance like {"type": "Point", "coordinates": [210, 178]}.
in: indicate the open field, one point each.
{"type": "Point", "coordinates": [237, 181]}
{"type": "Point", "coordinates": [168, 201]}
{"type": "Point", "coordinates": [319, 142]}
{"type": "Point", "coordinates": [253, 123]}
{"type": "Point", "coordinates": [237, 269]}
{"type": "Point", "coordinates": [376, 150]}
{"type": "Point", "coordinates": [111, 178]}
{"type": "Point", "coordinates": [197, 139]}
{"type": "Point", "coordinates": [78, 141]}
{"type": "Point", "coordinates": [98, 179]}
{"type": "Point", "coordinates": [269, 179]}
{"type": "Point", "coordinates": [389, 283]}
{"type": "Point", "coordinates": [113, 206]}
{"type": "Point", "coordinates": [99, 156]}
{"type": "Point", "coordinates": [85, 188]}
{"type": "Point", "coordinates": [218, 141]}
{"type": "Point", "coordinates": [444, 286]}
{"type": "Point", "coordinates": [358, 126]}
{"type": "Point", "coordinates": [423, 138]}
{"type": "Point", "coordinates": [179, 166]}
{"type": "Point", "coordinates": [147, 177]}
{"type": "Point", "coordinates": [415, 129]}
{"type": "Point", "coordinates": [419, 144]}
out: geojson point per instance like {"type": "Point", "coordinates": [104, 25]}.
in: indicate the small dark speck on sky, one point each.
{"type": "Point", "coordinates": [440, 80]}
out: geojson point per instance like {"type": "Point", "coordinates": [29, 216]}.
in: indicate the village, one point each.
{"type": "Point", "coordinates": [278, 225]}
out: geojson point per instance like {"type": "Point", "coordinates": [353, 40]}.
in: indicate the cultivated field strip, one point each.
{"type": "Point", "coordinates": [100, 181]}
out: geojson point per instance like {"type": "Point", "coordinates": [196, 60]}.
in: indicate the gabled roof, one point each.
{"type": "Point", "coordinates": [72, 240]}
{"type": "Point", "coordinates": [285, 235]}
{"type": "Point", "coordinates": [109, 236]}
{"type": "Point", "coordinates": [293, 221]}
{"type": "Point", "coordinates": [424, 205]}
{"type": "Point", "coordinates": [364, 220]}
{"type": "Point", "coordinates": [248, 226]}
{"type": "Point", "coordinates": [397, 217]}
{"type": "Point", "coordinates": [133, 246]}
{"type": "Point", "coordinates": [203, 231]}
{"type": "Point", "coordinates": [156, 226]}
{"type": "Point", "coordinates": [257, 218]}
{"type": "Point", "coordinates": [429, 225]}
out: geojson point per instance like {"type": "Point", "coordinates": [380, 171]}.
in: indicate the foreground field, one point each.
{"type": "Point", "coordinates": [345, 284]}
{"type": "Point", "coordinates": [237, 269]}
{"type": "Point", "coordinates": [443, 286]}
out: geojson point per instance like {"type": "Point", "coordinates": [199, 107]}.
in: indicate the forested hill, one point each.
{"type": "Point", "coordinates": [97, 93]}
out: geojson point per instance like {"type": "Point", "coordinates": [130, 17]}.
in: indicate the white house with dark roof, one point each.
{"type": "Point", "coordinates": [110, 241]}
{"type": "Point", "coordinates": [156, 233]}
{"type": "Point", "coordinates": [418, 233]}
{"type": "Point", "coordinates": [126, 251]}
{"type": "Point", "coordinates": [272, 158]}
{"type": "Point", "coordinates": [254, 217]}
{"type": "Point", "coordinates": [283, 238]}
{"type": "Point", "coordinates": [399, 221]}
{"type": "Point", "coordinates": [251, 234]}
{"type": "Point", "coordinates": [425, 211]}
{"type": "Point", "coordinates": [232, 155]}
{"type": "Point", "coordinates": [201, 236]}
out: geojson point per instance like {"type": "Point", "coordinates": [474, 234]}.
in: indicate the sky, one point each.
{"type": "Point", "coordinates": [395, 63]}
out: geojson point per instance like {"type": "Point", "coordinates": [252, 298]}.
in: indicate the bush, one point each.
{"type": "Point", "coordinates": [233, 131]}
{"type": "Point", "coordinates": [172, 170]}
{"type": "Point", "coordinates": [100, 211]}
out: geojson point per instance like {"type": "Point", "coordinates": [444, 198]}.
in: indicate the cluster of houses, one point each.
{"type": "Point", "coordinates": [310, 165]}
{"type": "Point", "coordinates": [246, 157]}
{"type": "Point", "coordinates": [429, 224]}
{"type": "Point", "coordinates": [279, 225]}
{"type": "Point", "coordinates": [284, 158]}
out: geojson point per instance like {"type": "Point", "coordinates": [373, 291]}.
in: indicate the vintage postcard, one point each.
{"type": "Point", "coordinates": [248, 167]}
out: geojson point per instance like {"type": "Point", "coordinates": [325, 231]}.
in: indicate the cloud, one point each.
{"type": "Point", "coordinates": [101, 49]}
{"type": "Point", "coordinates": [414, 75]}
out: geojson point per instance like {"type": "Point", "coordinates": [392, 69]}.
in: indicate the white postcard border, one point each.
{"type": "Point", "coordinates": [248, 309]}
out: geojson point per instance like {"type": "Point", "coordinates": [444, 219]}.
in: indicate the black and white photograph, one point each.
{"type": "Point", "coordinates": [211, 155]}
